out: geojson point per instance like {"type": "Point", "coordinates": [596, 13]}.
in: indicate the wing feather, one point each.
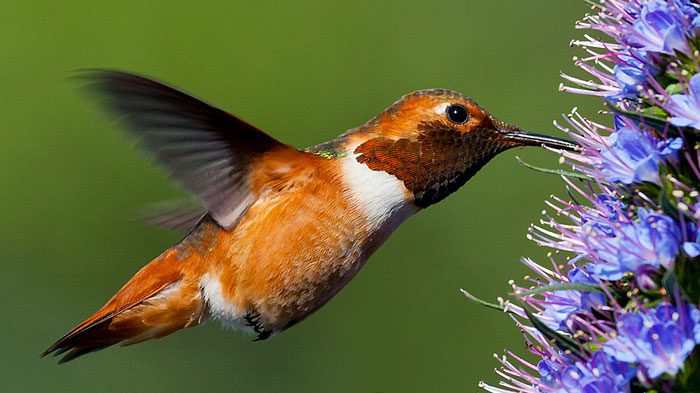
{"type": "Point", "coordinates": [209, 151]}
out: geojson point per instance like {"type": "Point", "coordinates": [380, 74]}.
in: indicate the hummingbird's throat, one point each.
{"type": "Point", "coordinates": [435, 164]}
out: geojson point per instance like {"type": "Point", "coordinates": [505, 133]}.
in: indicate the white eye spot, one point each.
{"type": "Point", "coordinates": [442, 108]}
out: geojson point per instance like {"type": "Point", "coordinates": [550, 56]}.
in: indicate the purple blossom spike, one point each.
{"type": "Point", "coordinates": [633, 209]}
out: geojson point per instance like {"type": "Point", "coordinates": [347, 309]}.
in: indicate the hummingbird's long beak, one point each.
{"type": "Point", "coordinates": [530, 139]}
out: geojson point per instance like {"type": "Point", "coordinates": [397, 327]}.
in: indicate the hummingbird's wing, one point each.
{"type": "Point", "coordinates": [180, 214]}
{"type": "Point", "coordinates": [211, 152]}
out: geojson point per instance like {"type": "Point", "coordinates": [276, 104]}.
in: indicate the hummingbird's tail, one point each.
{"type": "Point", "coordinates": [157, 301]}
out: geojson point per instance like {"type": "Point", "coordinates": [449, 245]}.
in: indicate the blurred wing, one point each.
{"type": "Point", "coordinates": [180, 215]}
{"type": "Point", "coordinates": [206, 149]}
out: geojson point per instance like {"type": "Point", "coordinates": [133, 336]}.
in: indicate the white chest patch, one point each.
{"type": "Point", "coordinates": [377, 194]}
{"type": "Point", "coordinates": [219, 308]}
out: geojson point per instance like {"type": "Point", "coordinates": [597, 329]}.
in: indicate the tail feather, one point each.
{"type": "Point", "coordinates": [157, 301]}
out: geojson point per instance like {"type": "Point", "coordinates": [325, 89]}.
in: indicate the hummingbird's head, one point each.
{"type": "Point", "coordinates": [435, 140]}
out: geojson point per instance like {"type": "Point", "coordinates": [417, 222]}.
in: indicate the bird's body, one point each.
{"type": "Point", "coordinates": [284, 229]}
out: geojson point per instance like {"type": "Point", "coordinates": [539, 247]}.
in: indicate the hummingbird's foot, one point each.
{"type": "Point", "coordinates": [254, 320]}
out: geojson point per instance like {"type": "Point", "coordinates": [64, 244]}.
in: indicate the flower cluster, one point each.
{"type": "Point", "coordinates": [615, 308]}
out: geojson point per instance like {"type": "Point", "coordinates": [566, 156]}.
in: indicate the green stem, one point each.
{"type": "Point", "coordinates": [484, 302]}
{"type": "Point", "coordinates": [558, 172]}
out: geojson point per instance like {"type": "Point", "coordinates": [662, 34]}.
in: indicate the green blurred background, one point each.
{"type": "Point", "coordinates": [69, 183]}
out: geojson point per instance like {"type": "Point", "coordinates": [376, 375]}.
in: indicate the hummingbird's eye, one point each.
{"type": "Point", "coordinates": [457, 113]}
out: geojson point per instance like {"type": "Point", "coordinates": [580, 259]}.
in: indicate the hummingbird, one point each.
{"type": "Point", "coordinates": [281, 230]}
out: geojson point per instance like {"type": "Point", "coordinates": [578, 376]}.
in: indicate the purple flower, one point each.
{"type": "Point", "coordinates": [634, 156]}
{"type": "Point", "coordinates": [600, 374]}
{"type": "Point", "coordinates": [620, 246]}
{"type": "Point", "coordinates": [610, 237]}
{"type": "Point", "coordinates": [692, 248]}
{"type": "Point", "coordinates": [559, 305]}
{"type": "Point", "coordinates": [689, 12]}
{"type": "Point", "coordinates": [661, 27]}
{"type": "Point", "coordinates": [657, 339]}
{"type": "Point", "coordinates": [685, 108]}
{"type": "Point", "coordinates": [658, 232]}
{"type": "Point", "coordinates": [630, 73]}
